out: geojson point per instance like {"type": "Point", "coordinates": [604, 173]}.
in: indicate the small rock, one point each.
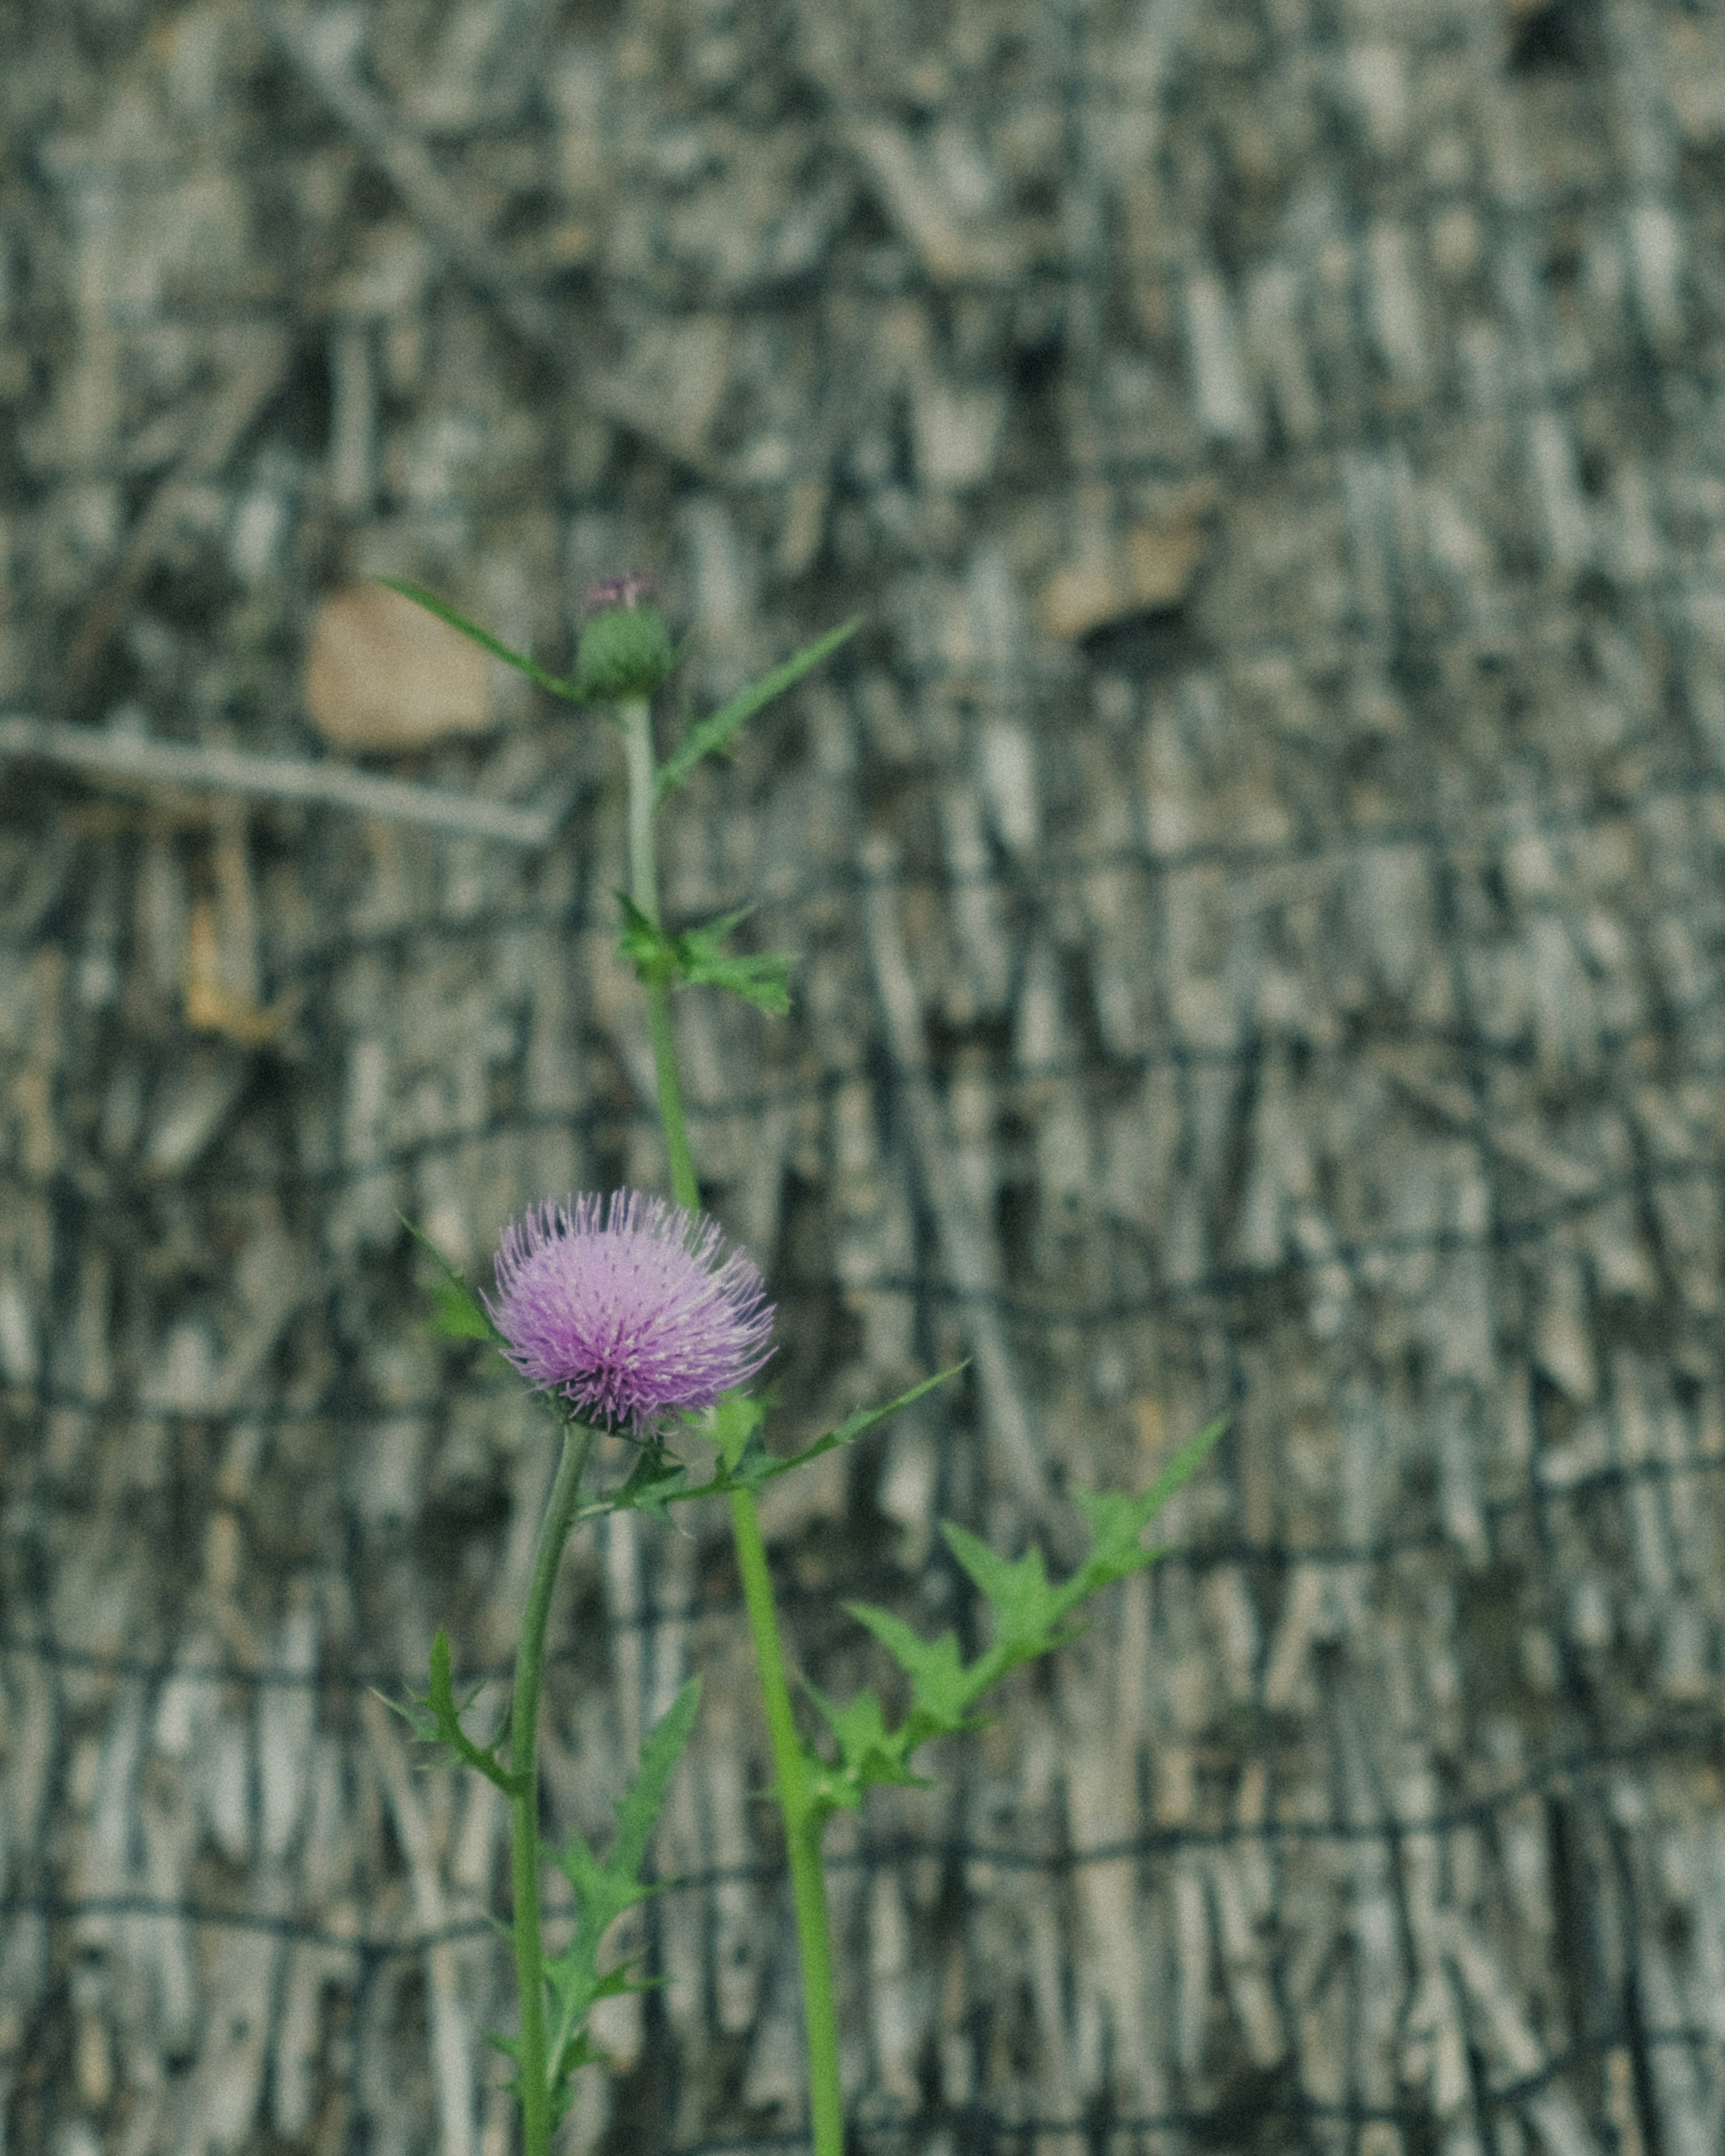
{"type": "Point", "coordinates": [383, 674]}
{"type": "Point", "coordinates": [1150, 571]}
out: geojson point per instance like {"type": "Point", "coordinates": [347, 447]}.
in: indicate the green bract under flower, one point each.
{"type": "Point", "coordinates": [625, 655]}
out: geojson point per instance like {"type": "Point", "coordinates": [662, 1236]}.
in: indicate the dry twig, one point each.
{"type": "Point", "coordinates": [451, 2039]}
{"type": "Point", "coordinates": [134, 760]}
{"type": "Point", "coordinates": [232, 412]}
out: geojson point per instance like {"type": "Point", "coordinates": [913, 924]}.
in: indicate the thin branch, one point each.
{"type": "Point", "coordinates": [230, 416]}
{"type": "Point", "coordinates": [451, 2046]}
{"type": "Point", "coordinates": [321, 52]}
{"type": "Point", "coordinates": [324, 50]}
{"type": "Point", "coordinates": [130, 760]}
{"type": "Point", "coordinates": [965, 1245]}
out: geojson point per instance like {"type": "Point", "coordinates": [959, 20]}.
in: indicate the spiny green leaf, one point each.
{"type": "Point", "coordinates": [868, 1752]}
{"type": "Point", "coordinates": [412, 1710]}
{"type": "Point", "coordinates": [745, 1463]}
{"type": "Point", "coordinates": [1181, 1469]}
{"type": "Point", "coordinates": [604, 1891]}
{"type": "Point", "coordinates": [761, 979]}
{"type": "Point", "coordinates": [654, 1482]}
{"type": "Point", "coordinates": [755, 1470]}
{"type": "Point", "coordinates": [573, 2057]}
{"type": "Point", "coordinates": [645, 945]}
{"type": "Point", "coordinates": [937, 1675]}
{"type": "Point", "coordinates": [736, 1424]}
{"type": "Point", "coordinates": [1025, 1606]}
{"type": "Point", "coordinates": [435, 1718]}
{"type": "Point", "coordinates": [460, 1315]}
{"type": "Point", "coordinates": [640, 1807]}
{"type": "Point", "coordinates": [518, 660]}
{"type": "Point", "coordinates": [715, 734]}
{"type": "Point", "coordinates": [694, 958]}
{"type": "Point", "coordinates": [856, 1426]}
{"type": "Point", "coordinates": [1032, 1616]}
{"type": "Point", "coordinates": [860, 1727]}
{"type": "Point", "coordinates": [1116, 1522]}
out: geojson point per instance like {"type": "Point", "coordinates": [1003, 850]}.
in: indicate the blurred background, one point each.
{"type": "Point", "coordinates": [1255, 878]}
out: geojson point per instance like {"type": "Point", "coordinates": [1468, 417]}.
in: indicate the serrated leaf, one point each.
{"type": "Point", "coordinates": [435, 1718]}
{"type": "Point", "coordinates": [1181, 1469]}
{"type": "Point", "coordinates": [745, 1462]}
{"type": "Point", "coordinates": [934, 1667]}
{"type": "Point", "coordinates": [414, 1712]}
{"type": "Point", "coordinates": [736, 1424]}
{"type": "Point", "coordinates": [713, 735]}
{"type": "Point", "coordinates": [604, 1891]}
{"type": "Point", "coordinates": [1116, 1522]}
{"type": "Point", "coordinates": [1026, 1607]}
{"type": "Point", "coordinates": [1032, 1616]}
{"type": "Point", "coordinates": [459, 1314]}
{"type": "Point", "coordinates": [715, 931]}
{"type": "Point", "coordinates": [651, 1485]}
{"type": "Point", "coordinates": [856, 1426]}
{"type": "Point", "coordinates": [573, 2057]}
{"type": "Point", "coordinates": [763, 979]}
{"type": "Point", "coordinates": [482, 637]}
{"type": "Point", "coordinates": [861, 1728]}
{"type": "Point", "coordinates": [869, 1753]}
{"type": "Point", "coordinates": [640, 1807]}
{"type": "Point", "coordinates": [755, 1470]}
{"type": "Point", "coordinates": [645, 945]}
{"type": "Point", "coordinates": [695, 959]}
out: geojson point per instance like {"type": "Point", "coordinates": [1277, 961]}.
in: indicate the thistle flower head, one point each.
{"type": "Point", "coordinates": [627, 1306]}
{"type": "Point", "coordinates": [625, 650]}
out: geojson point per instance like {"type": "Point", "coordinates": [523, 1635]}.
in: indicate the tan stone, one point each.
{"type": "Point", "coordinates": [1150, 571]}
{"type": "Point", "coordinates": [383, 674]}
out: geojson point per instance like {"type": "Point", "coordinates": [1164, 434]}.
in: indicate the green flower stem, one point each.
{"type": "Point", "coordinates": [643, 890]}
{"type": "Point", "coordinates": [803, 1821]}
{"type": "Point", "coordinates": [680, 1159]}
{"type": "Point", "coordinates": [636, 720]}
{"type": "Point", "coordinates": [802, 1824]}
{"type": "Point", "coordinates": [533, 2066]}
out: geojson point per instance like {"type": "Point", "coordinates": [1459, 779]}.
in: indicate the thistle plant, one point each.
{"type": "Point", "coordinates": [632, 1320]}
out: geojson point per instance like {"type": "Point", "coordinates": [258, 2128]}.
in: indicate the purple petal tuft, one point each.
{"type": "Point", "coordinates": [627, 591]}
{"type": "Point", "coordinates": [625, 1307]}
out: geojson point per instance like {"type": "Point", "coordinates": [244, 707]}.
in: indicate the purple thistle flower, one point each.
{"type": "Point", "coordinates": [626, 591]}
{"type": "Point", "coordinates": [625, 1307]}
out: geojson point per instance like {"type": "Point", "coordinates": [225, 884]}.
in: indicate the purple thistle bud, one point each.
{"type": "Point", "coordinates": [625, 1307]}
{"type": "Point", "coordinates": [625, 591]}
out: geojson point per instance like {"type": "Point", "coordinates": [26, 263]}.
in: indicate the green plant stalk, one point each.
{"type": "Point", "coordinates": [803, 1821]}
{"type": "Point", "coordinates": [803, 1826]}
{"type": "Point", "coordinates": [533, 2067]}
{"type": "Point", "coordinates": [644, 889]}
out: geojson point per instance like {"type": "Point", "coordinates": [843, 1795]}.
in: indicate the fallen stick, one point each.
{"type": "Point", "coordinates": [322, 50]}
{"type": "Point", "coordinates": [134, 760]}
{"type": "Point", "coordinates": [229, 417]}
